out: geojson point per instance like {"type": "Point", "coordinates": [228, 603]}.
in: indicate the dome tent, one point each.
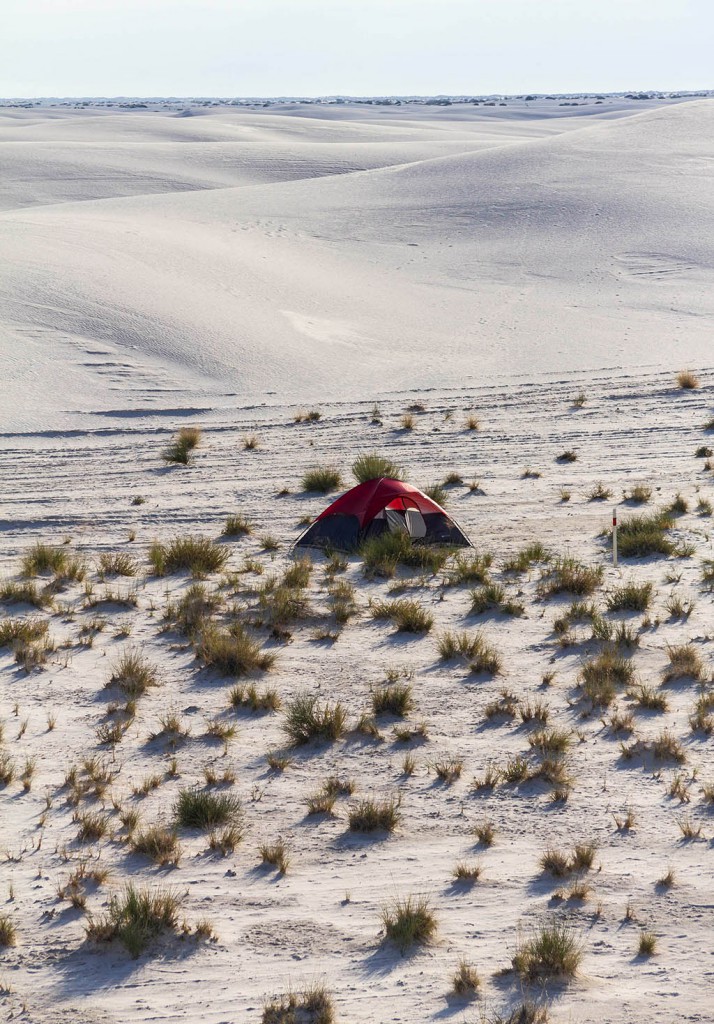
{"type": "Point", "coordinates": [378, 506]}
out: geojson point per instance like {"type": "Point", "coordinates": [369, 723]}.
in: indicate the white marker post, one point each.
{"type": "Point", "coordinates": [614, 537]}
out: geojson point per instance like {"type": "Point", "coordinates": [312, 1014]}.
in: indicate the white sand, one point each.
{"type": "Point", "coordinates": [551, 255]}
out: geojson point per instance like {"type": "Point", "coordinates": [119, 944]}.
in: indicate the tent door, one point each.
{"type": "Point", "coordinates": [415, 524]}
{"type": "Point", "coordinates": [396, 521]}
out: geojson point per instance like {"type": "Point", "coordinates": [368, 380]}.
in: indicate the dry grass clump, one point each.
{"type": "Point", "coordinates": [466, 981]}
{"type": "Point", "coordinates": [567, 575]}
{"type": "Point", "coordinates": [551, 742]}
{"type": "Point", "coordinates": [685, 662]}
{"type": "Point", "coordinates": [469, 568]}
{"type": "Point", "coordinates": [312, 1006]}
{"type": "Point", "coordinates": [458, 645]}
{"type": "Point", "coordinates": [306, 719]}
{"type": "Point", "coordinates": [492, 597]}
{"type": "Point", "coordinates": [647, 944]}
{"type": "Point", "coordinates": [191, 613]}
{"type": "Point", "coordinates": [645, 534]}
{"type": "Point", "coordinates": [638, 494]}
{"type": "Point", "coordinates": [322, 479]}
{"type": "Point", "coordinates": [160, 844]}
{"type": "Point", "coordinates": [530, 555]}
{"type": "Point", "coordinates": [197, 808]}
{"type": "Point", "coordinates": [8, 932]}
{"type": "Point", "coordinates": [232, 651]}
{"type": "Point", "coordinates": [117, 563]}
{"type": "Point", "coordinates": [472, 422]}
{"type": "Point", "coordinates": [342, 601]}
{"type": "Point", "coordinates": [276, 855]}
{"type": "Point", "coordinates": [371, 466]}
{"type": "Point", "coordinates": [311, 416]}
{"type": "Point", "coordinates": [199, 555]}
{"type": "Point", "coordinates": [467, 874]}
{"type": "Point", "coordinates": [371, 815]}
{"type": "Point", "coordinates": [599, 492]}
{"type": "Point", "coordinates": [237, 525]}
{"type": "Point", "coordinates": [133, 674]}
{"type": "Point", "coordinates": [602, 675]}
{"type": "Point", "coordinates": [484, 658]}
{"type": "Point", "coordinates": [22, 631]}
{"type": "Point", "coordinates": [255, 700]}
{"type": "Point", "coordinates": [649, 699]}
{"type": "Point", "coordinates": [553, 950]}
{"type": "Point", "coordinates": [394, 699]}
{"type": "Point", "coordinates": [136, 918]}
{"type": "Point", "coordinates": [383, 554]}
{"type": "Point", "coordinates": [631, 597]}
{"type": "Point", "coordinates": [687, 381]}
{"type": "Point", "coordinates": [12, 592]}
{"type": "Point", "coordinates": [406, 614]}
{"type": "Point", "coordinates": [180, 449]}
{"type": "Point", "coordinates": [43, 558]}
{"type": "Point", "coordinates": [560, 864]}
{"type": "Point", "coordinates": [448, 770]}
{"type": "Point", "coordinates": [438, 493]}
{"type": "Point", "coordinates": [409, 921]}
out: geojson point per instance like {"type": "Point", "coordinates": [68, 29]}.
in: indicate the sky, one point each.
{"type": "Point", "coordinates": [352, 47]}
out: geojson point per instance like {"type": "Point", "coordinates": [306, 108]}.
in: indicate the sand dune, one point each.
{"type": "Point", "coordinates": [585, 248]}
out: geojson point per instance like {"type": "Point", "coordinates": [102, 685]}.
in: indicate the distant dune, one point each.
{"type": "Point", "coordinates": [257, 251]}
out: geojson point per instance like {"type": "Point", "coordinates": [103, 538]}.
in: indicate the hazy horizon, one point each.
{"type": "Point", "coordinates": [316, 48]}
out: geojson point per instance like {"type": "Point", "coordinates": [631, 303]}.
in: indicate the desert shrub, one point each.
{"type": "Point", "coordinates": [471, 568]}
{"type": "Point", "coordinates": [599, 493]}
{"type": "Point", "coordinates": [407, 615]}
{"type": "Point", "coordinates": [567, 575]}
{"type": "Point", "coordinates": [638, 494]}
{"type": "Point", "coordinates": [322, 479]}
{"type": "Point", "coordinates": [409, 921]}
{"type": "Point", "coordinates": [458, 645]}
{"type": "Point", "coordinates": [8, 932]}
{"type": "Point", "coordinates": [24, 631]}
{"type": "Point", "coordinates": [602, 675]}
{"type": "Point", "coordinates": [250, 697]}
{"type": "Point", "coordinates": [649, 699]}
{"type": "Point", "coordinates": [312, 1006]}
{"type": "Point", "coordinates": [550, 741]}
{"type": "Point", "coordinates": [631, 597]}
{"type": "Point", "coordinates": [197, 808]}
{"type": "Point", "coordinates": [180, 449]}
{"type": "Point", "coordinates": [276, 855]}
{"type": "Point", "coordinates": [685, 661]}
{"type": "Point", "coordinates": [283, 604]}
{"type": "Point", "coordinates": [492, 597]}
{"type": "Point", "coordinates": [687, 381]}
{"type": "Point", "coordinates": [371, 466]}
{"type": "Point", "coordinates": [466, 981]}
{"type": "Point", "coordinates": [370, 815]}
{"type": "Point", "coordinates": [12, 592]}
{"type": "Point", "coordinates": [395, 699]}
{"type": "Point", "coordinates": [530, 555]}
{"type": "Point", "coordinates": [43, 558]}
{"type": "Point", "coordinates": [438, 493]}
{"type": "Point", "coordinates": [232, 651]}
{"type": "Point", "coordinates": [237, 525]}
{"type": "Point", "coordinates": [160, 844]}
{"type": "Point", "coordinates": [552, 950]}
{"type": "Point", "coordinates": [117, 563]}
{"type": "Point", "coordinates": [195, 607]}
{"type": "Point", "coordinates": [199, 555]}
{"type": "Point", "coordinates": [136, 917]}
{"type": "Point", "coordinates": [645, 534]}
{"type": "Point", "coordinates": [306, 719]}
{"type": "Point", "coordinates": [133, 674]}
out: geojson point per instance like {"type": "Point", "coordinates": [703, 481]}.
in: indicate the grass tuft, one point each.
{"type": "Point", "coordinates": [409, 921]}
{"type": "Point", "coordinates": [306, 719]}
{"type": "Point", "coordinates": [180, 449]}
{"type": "Point", "coordinates": [199, 555]}
{"type": "Point", "coordinates": [371, 466]}
{"type": "Point", "coordinates": [195, 808]}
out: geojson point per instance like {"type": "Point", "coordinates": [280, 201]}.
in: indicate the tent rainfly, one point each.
{"type": "Point", "coordinates": [379, 506]}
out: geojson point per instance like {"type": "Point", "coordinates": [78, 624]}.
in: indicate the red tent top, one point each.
{"type": "Point", "coordinates": [368, 499]}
